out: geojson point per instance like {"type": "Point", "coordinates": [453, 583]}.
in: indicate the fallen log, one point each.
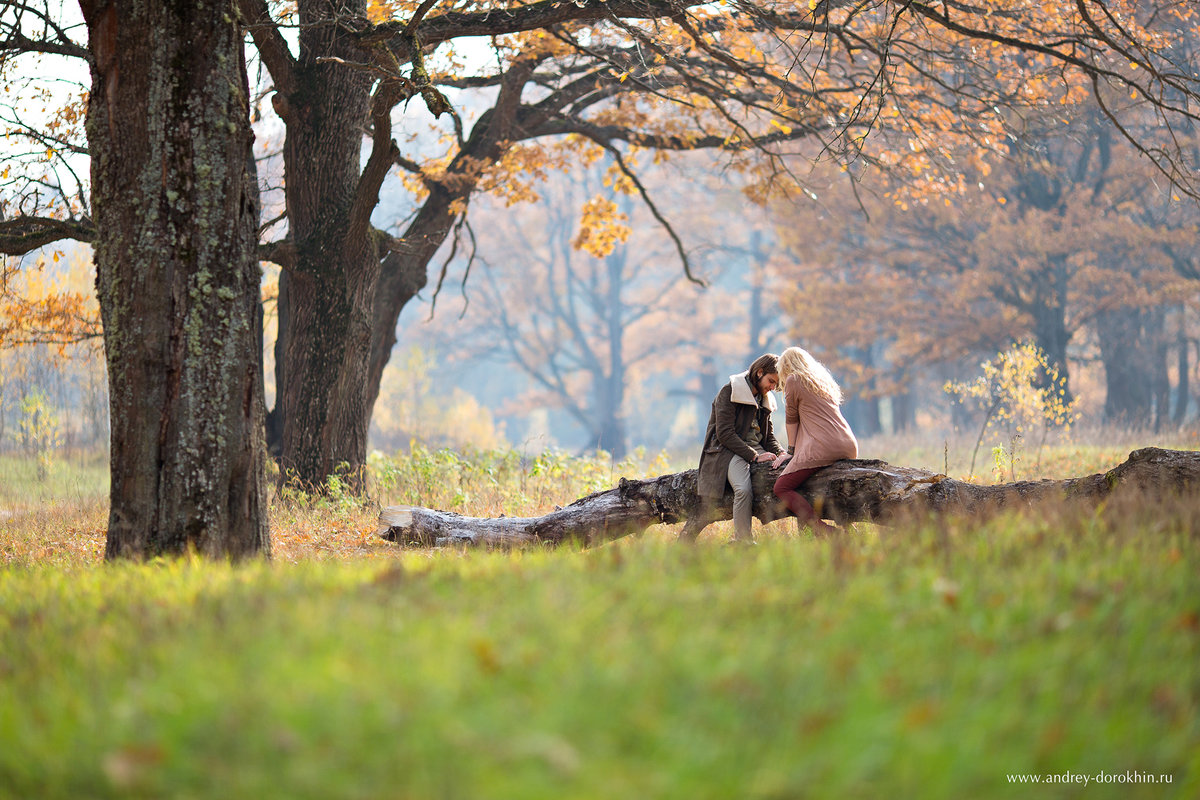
{"type": "Point", "coordinates": [848, 491]}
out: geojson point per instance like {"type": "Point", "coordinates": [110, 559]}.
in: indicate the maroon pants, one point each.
{"type": "Point", "coordinates": [785, 490]}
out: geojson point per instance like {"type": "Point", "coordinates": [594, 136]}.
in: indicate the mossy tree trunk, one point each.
{"type": "Point", "coordinates": [177, 278]}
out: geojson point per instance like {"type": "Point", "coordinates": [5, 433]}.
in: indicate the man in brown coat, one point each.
{"type": "Point", "coordinates": [739, 434]}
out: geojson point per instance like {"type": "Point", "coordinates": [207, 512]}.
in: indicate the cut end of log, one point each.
{"type": "Point", "coordinates": [414, 525]}
{"type": "Point", "coordinates": [394, 517]}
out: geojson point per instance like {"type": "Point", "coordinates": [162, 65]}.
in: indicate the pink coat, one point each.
{"type": "Point", "coordinates": [816, 428]}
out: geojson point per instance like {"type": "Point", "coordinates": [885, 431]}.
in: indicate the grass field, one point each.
{"type": "Point", "coordinates": [78, 477]}
{"type": "Point", "coordinates": [940, 660]}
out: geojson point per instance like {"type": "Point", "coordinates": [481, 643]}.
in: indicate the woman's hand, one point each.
{"type": "Point", "coordinates": [780, 460]}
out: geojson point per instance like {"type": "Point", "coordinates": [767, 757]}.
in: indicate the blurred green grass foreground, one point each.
{"type": "Point", "coordinates": [941, 659]}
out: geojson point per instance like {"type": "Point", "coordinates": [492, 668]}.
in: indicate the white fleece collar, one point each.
{"type": "Point", "coordinates": [743, 394]}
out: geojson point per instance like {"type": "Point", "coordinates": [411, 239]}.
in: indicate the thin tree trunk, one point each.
{"type": "Point", "coordinates": [177, 278]}
{"type": "Point", "coordinates": [404, 273]}
{"type": "Point", "coordinates": [405, 266]}
{"type": "Point", "coordinates": [848, 491]}
{"type": "Point", "coordinates": [1183, 388]}
{"type": "Point", "coordinates": [1128, 378]}
{"type": "Point", "coordinates": [609, 389]}
{"type": "Point", "coordinates": [710, 384]}
{"type": "Point", "coordinates": [1162, 378]}
{"type": "Point", "coordinates": [1050, 321]}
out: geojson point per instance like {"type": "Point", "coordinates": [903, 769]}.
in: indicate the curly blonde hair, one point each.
{"type": "Point", "coordinates": [812, 373]}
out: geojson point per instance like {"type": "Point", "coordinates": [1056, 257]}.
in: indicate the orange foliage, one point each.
{"type": "Point", "coordinates": [941, 282]}
{"type": "Point", "coordinates": [933, 94]}
{"type": "Point", "coordinates": [39, 304]}
{"type": "Point", "coordinates": [601, 227]}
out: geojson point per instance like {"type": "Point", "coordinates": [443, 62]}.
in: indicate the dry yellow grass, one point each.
{"type": "Point", "coordinates": [69, 532]}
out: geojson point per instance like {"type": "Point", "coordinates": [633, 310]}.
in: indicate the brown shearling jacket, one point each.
{"type": "Point", "coordinates": [733, 411]}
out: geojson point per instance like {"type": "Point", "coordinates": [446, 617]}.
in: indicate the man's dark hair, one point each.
{"type": "Point", "coordinates": [763, 365]}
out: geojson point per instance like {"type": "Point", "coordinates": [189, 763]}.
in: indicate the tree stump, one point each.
{"type": "Point", "coordinates": [848, 491]}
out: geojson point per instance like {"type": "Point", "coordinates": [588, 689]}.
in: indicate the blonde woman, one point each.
{"type": "Point", "coordinates": [817, 433]}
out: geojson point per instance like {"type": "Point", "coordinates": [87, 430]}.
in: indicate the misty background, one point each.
{"type": "Point", "coordinates": [550, 329]}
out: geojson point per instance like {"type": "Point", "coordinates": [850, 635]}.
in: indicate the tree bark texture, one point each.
{"type": "Point", "coordinates": [327, 293]}
{"type": "Point", "coordinates": [848, 491]}
{"type": "Point", "coordinates": [177, 278]}
{"type": "Point", "coordinates": [342, 292]}
{"type": "Point", "coordinates": [341, 298]}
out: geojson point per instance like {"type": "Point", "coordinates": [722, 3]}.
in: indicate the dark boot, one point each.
{"type": "Point", "coordinates": [696, 523]}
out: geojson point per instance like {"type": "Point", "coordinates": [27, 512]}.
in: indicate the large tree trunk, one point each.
{"type": "Point", "coordinates": [344, 294]}
{"type": "Point", "coordinates": [177, 278]}
{"type": "Point", "coordinates": [328, 292]}
{"type": "Point", "coordinates": [848, 491]}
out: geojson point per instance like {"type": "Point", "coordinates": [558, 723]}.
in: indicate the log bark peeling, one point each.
{"type": "Point", "coordinates": [849, 491]}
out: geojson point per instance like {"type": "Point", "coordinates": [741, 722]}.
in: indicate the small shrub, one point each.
{"type": "Point", "coordinates": [38, 431]}
{"type": "Point", "coordinates": [1019, 392]}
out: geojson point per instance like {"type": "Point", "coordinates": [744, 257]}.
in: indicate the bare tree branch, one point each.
{"type": "Point", "coordinates": [271, 46]}
{"type": "Point", "coordinates": [25, 234]}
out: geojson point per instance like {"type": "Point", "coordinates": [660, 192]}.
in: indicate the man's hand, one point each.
{"type": "Point", "coordinates": [779, 460]}
{"type": "Point", "coordinates": [761, 457]}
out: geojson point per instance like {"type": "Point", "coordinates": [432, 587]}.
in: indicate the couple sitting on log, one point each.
{"type": "Point", "coordinates": [740, 433]}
